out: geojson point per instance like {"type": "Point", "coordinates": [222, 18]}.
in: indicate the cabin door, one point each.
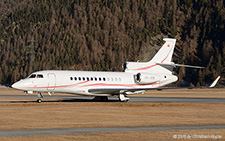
{"type": "Point", "coordinates": [51, 81]}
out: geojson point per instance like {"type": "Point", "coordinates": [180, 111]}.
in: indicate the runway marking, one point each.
{"type": "Point", "coordinates": [69, 131]}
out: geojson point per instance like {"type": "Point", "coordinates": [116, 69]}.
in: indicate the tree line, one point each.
{"type": "Point", "coordinates": [102, 34]}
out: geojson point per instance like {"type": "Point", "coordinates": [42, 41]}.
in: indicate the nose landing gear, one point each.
{"type": "Point", "coordinates": [39, 97]}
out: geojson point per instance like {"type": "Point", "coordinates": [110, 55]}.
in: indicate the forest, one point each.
{"type": "Point", "coordinates": [100, 35]}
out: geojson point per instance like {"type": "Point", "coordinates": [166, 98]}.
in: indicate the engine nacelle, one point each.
{"type": "Point", "coordinates": [146, 78]}
{"type": "Point", "coordinates": [131, 66]}
{"type": "Point", "coordinates": [124, 66]}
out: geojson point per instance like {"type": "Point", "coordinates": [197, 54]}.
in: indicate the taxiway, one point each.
{"type": "Point", "coordinates": [61, 98]}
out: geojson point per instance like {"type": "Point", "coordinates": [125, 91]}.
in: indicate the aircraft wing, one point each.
{"type": "Point", "coordinates": [105, 91]}
{"type": "Point", "coordinates": [117, 91]}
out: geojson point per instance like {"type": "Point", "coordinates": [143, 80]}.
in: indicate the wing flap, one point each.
{"type": "Point", "coordinates": [104, 91]}
{"type": "Point", "coordinates": [116, 91]}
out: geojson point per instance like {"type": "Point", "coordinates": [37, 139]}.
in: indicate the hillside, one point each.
{"type": "Point", "coordinates": [101, 35]}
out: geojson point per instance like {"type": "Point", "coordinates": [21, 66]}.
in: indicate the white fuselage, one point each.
{"type": "Point", "coordinates": [95, 83]}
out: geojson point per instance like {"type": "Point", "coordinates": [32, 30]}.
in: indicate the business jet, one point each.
{"type": "Point", "coordinates": [137, 77]}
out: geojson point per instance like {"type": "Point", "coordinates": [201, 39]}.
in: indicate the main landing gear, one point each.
{"type": "Point", "coordinates": [100, 99]}
{"type": "Point", "coordinates": [123, 98]}
{"type": "Point", "coordinates": [39, 97]}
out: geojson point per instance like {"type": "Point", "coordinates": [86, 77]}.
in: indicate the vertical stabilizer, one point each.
{"type": "Point", "coordinates": [160, 63]}
{"type": "Point", "coordinates": [164, 55]}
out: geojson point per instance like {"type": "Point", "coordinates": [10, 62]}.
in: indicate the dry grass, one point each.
{"type": "Point", "coordinates": [68, 115]}
{"type": "Point", "coordinates": [79, 114]}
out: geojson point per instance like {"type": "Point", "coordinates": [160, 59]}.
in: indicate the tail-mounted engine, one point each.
{"type": "Point", "coordinates": [133, 66]}
{"type": "Point", "coordinates": [146, 78]}
{"type": "Point", "coordinates": [124, 66]}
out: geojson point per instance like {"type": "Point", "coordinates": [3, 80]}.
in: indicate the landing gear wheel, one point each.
{"type": "Point", "coordinates": [125, 101]}
{"type": "Point", "coordinates": [39, 97]}
{"type": "Point", "coordinates": [39, 100]}
{"type": "Point", "coordinates": [104, 99]}
{"type": "Point", "coordinates": [100, 99]}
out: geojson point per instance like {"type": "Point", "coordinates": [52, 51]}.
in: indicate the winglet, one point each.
{"type": "Point", "coordinates": [214, 82]}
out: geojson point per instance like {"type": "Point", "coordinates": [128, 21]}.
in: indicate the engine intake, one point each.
{"type": "Point", "coordinates": [124, 66]}
{"type": "Point", "coordinates": [146, 78]}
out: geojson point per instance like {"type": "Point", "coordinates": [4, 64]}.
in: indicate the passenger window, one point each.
{"type": "Point", "coordinates": [119, 79]}
{"type": "Point", "coordinates": [79, 78]}
{"type": "Point", "coordinates": [115, 79]}
{"type": "Point", "coordinates": [40, 76]}
{"type": "Point", "coordinates": [100, 79]}
{"type": "Point", "coordinates": [95, 79]}
{"type": "Point", "coordinates": [103, 78]}
{"type": "Point", "coordinates": [83, 78]}
{"type": "Point", "coordinates": [33, 76]}
{"type": "Point", "coordinates": [71, 78]}
{"type": "Point", "coordinates": [87, 78]}
{"type": "Point", "coordinates": [75, 78]}
{"type": "Point", "coordinates": [91, 78]}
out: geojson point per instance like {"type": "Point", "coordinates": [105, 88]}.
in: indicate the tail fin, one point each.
{"type": "Point", "coordinates": [160, 63]}
{"type": "Point", "coordinates": [164, 55]}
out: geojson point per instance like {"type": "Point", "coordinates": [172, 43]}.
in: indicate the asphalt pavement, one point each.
{"type": "Point", "coordinates": [72, 98]}
{"type": "Point", "coordinates": [69, 131]}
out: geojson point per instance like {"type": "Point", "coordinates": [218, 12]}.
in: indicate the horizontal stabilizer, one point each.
{"type": "Point", "coordinates": [179, 65]}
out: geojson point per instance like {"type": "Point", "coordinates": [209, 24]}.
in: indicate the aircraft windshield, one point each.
{"type": "Point", "coordinates": [32, 76]}
{"type": "Point", "coordinates": [40, 76]}
{"type": "Point", "coordinates": [36, 76]}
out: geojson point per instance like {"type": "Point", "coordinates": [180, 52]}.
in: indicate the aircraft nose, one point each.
{"type": "Point", "coordinates": [16, 85]}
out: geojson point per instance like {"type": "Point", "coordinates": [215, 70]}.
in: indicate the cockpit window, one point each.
{"type": "Point", "coordinates": [40, 76]}
{"type": "Point", "coordinates": [32, 76]}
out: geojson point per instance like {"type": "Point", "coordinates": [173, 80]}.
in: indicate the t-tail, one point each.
{"type": "Point", "coordinates": [164, 55]}
{"type": "Point", "coordinates": [160, 63]}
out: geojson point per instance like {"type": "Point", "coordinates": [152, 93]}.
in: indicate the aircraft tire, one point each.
{"type": "Point", "coordinates": [104, 99]}
{"type": "Point", "coordinates": [39, 100]}
{"type": "Point", "coordinates": [126, 101]}
{"type": "Point", "coordinates": [100, 99]}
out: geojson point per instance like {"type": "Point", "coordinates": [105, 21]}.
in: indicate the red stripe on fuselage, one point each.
{"type": "Point", "coordinates": [98, 84]}
{"type": "Point", "coordinates": [122, 85]}
{"type": "Point", "coordinates": [148, 67]}
{"type": "Point", "coordinates": [164, 59]}
{"type": "Point", "coordinates": [145, 68]}
{"type": "Point", "coordinates": [59, 86]}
